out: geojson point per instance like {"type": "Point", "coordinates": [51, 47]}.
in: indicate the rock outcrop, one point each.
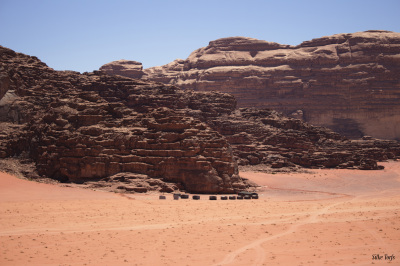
{"type": "Point", "coordinates": [138, 136]}
{"type": "Point", "coordinates": [263, 136]}
{"type": "Point", "coordinates": [126, 68]}
{"type": "Point", "coordinates": [347, 82]}
{"type": "Point", "coordinates": [82, 127]}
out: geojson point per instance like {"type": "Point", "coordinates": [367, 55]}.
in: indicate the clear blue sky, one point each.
{"type": "Point", "coordinates": [82, 35]}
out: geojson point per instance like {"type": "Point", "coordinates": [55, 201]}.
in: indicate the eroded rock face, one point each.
{"type": "Point", "coordinates": [127, 68]}
{"type": "Point", "coordinates": [263, 136]}
{"type": "Point", "coordinates": [347, 82]}
{"type": "Point", "coordinates": [137, 136]}
{"type": "Point", "coordinates": [82, 127]}
{"type": "Point", "coordinates": [4, 83]}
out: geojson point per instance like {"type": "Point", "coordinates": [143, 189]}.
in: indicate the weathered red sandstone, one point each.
{"type": "Point", "coordinates": [347, 82]}
{"type": "Point", "coordinates": [138, 136]}
{"type": "Point", "coordinates": [127, 68]}
{"type": "Point", "coordinates": [263, 136]}
{"type": "Point", "coordinates": [82, 127]}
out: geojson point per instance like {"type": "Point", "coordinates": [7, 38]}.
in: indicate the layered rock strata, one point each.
{"type": "Point", "coordinates": [86, 127]}
{"type": "Point", "coordinates": [263, 136]}
{"type": "Point", "coordinates": [137, 136]}
{"type": "Point", "coordinates": [347, 82]}
{"type": "Point", "coordinates": [126, 68]}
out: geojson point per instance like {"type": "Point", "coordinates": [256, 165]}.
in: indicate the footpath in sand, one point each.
{"type": "Point", "coordinates": [327, 217]}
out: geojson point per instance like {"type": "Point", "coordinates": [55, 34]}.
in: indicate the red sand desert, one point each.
{"type": "Point", "coordinates": [327, 217]}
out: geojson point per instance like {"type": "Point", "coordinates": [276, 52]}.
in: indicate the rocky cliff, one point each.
{"type": "Point", "coordinates": [347, 82]}
{"type": "Point", "coordinates": [81, 127]}
{"type": "Point", "coordinates": [266, 137]}
{"type": "Point", "coordinates": [135, 135]}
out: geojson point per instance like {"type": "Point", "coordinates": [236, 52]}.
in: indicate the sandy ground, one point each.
{"type": "Point", "coordinates": [328, 217]}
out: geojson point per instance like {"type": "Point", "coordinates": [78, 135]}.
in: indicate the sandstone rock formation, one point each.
{"type": "Point", "coordinates": [86, 127]}
{"type": "Point", "coordinates": [347, 82]}
{"type": "Point", "coordinates": [263, 136]}
{"type": "Point", "coordinates": [4, 83]}
{"type": "Point", "coordinates": [137, 136]}
{"type": "Point", "coordinates": [127, 68]}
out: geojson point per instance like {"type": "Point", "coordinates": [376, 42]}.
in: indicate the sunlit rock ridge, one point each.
{"type": "Point", "coordinates": [347, 82]}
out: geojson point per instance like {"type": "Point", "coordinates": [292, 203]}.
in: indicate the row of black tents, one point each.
{"type": "Point", "coordinates": [241, 195]}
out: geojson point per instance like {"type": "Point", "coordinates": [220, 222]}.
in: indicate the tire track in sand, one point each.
{"type": "Point", "coordinates": [256, 245]}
